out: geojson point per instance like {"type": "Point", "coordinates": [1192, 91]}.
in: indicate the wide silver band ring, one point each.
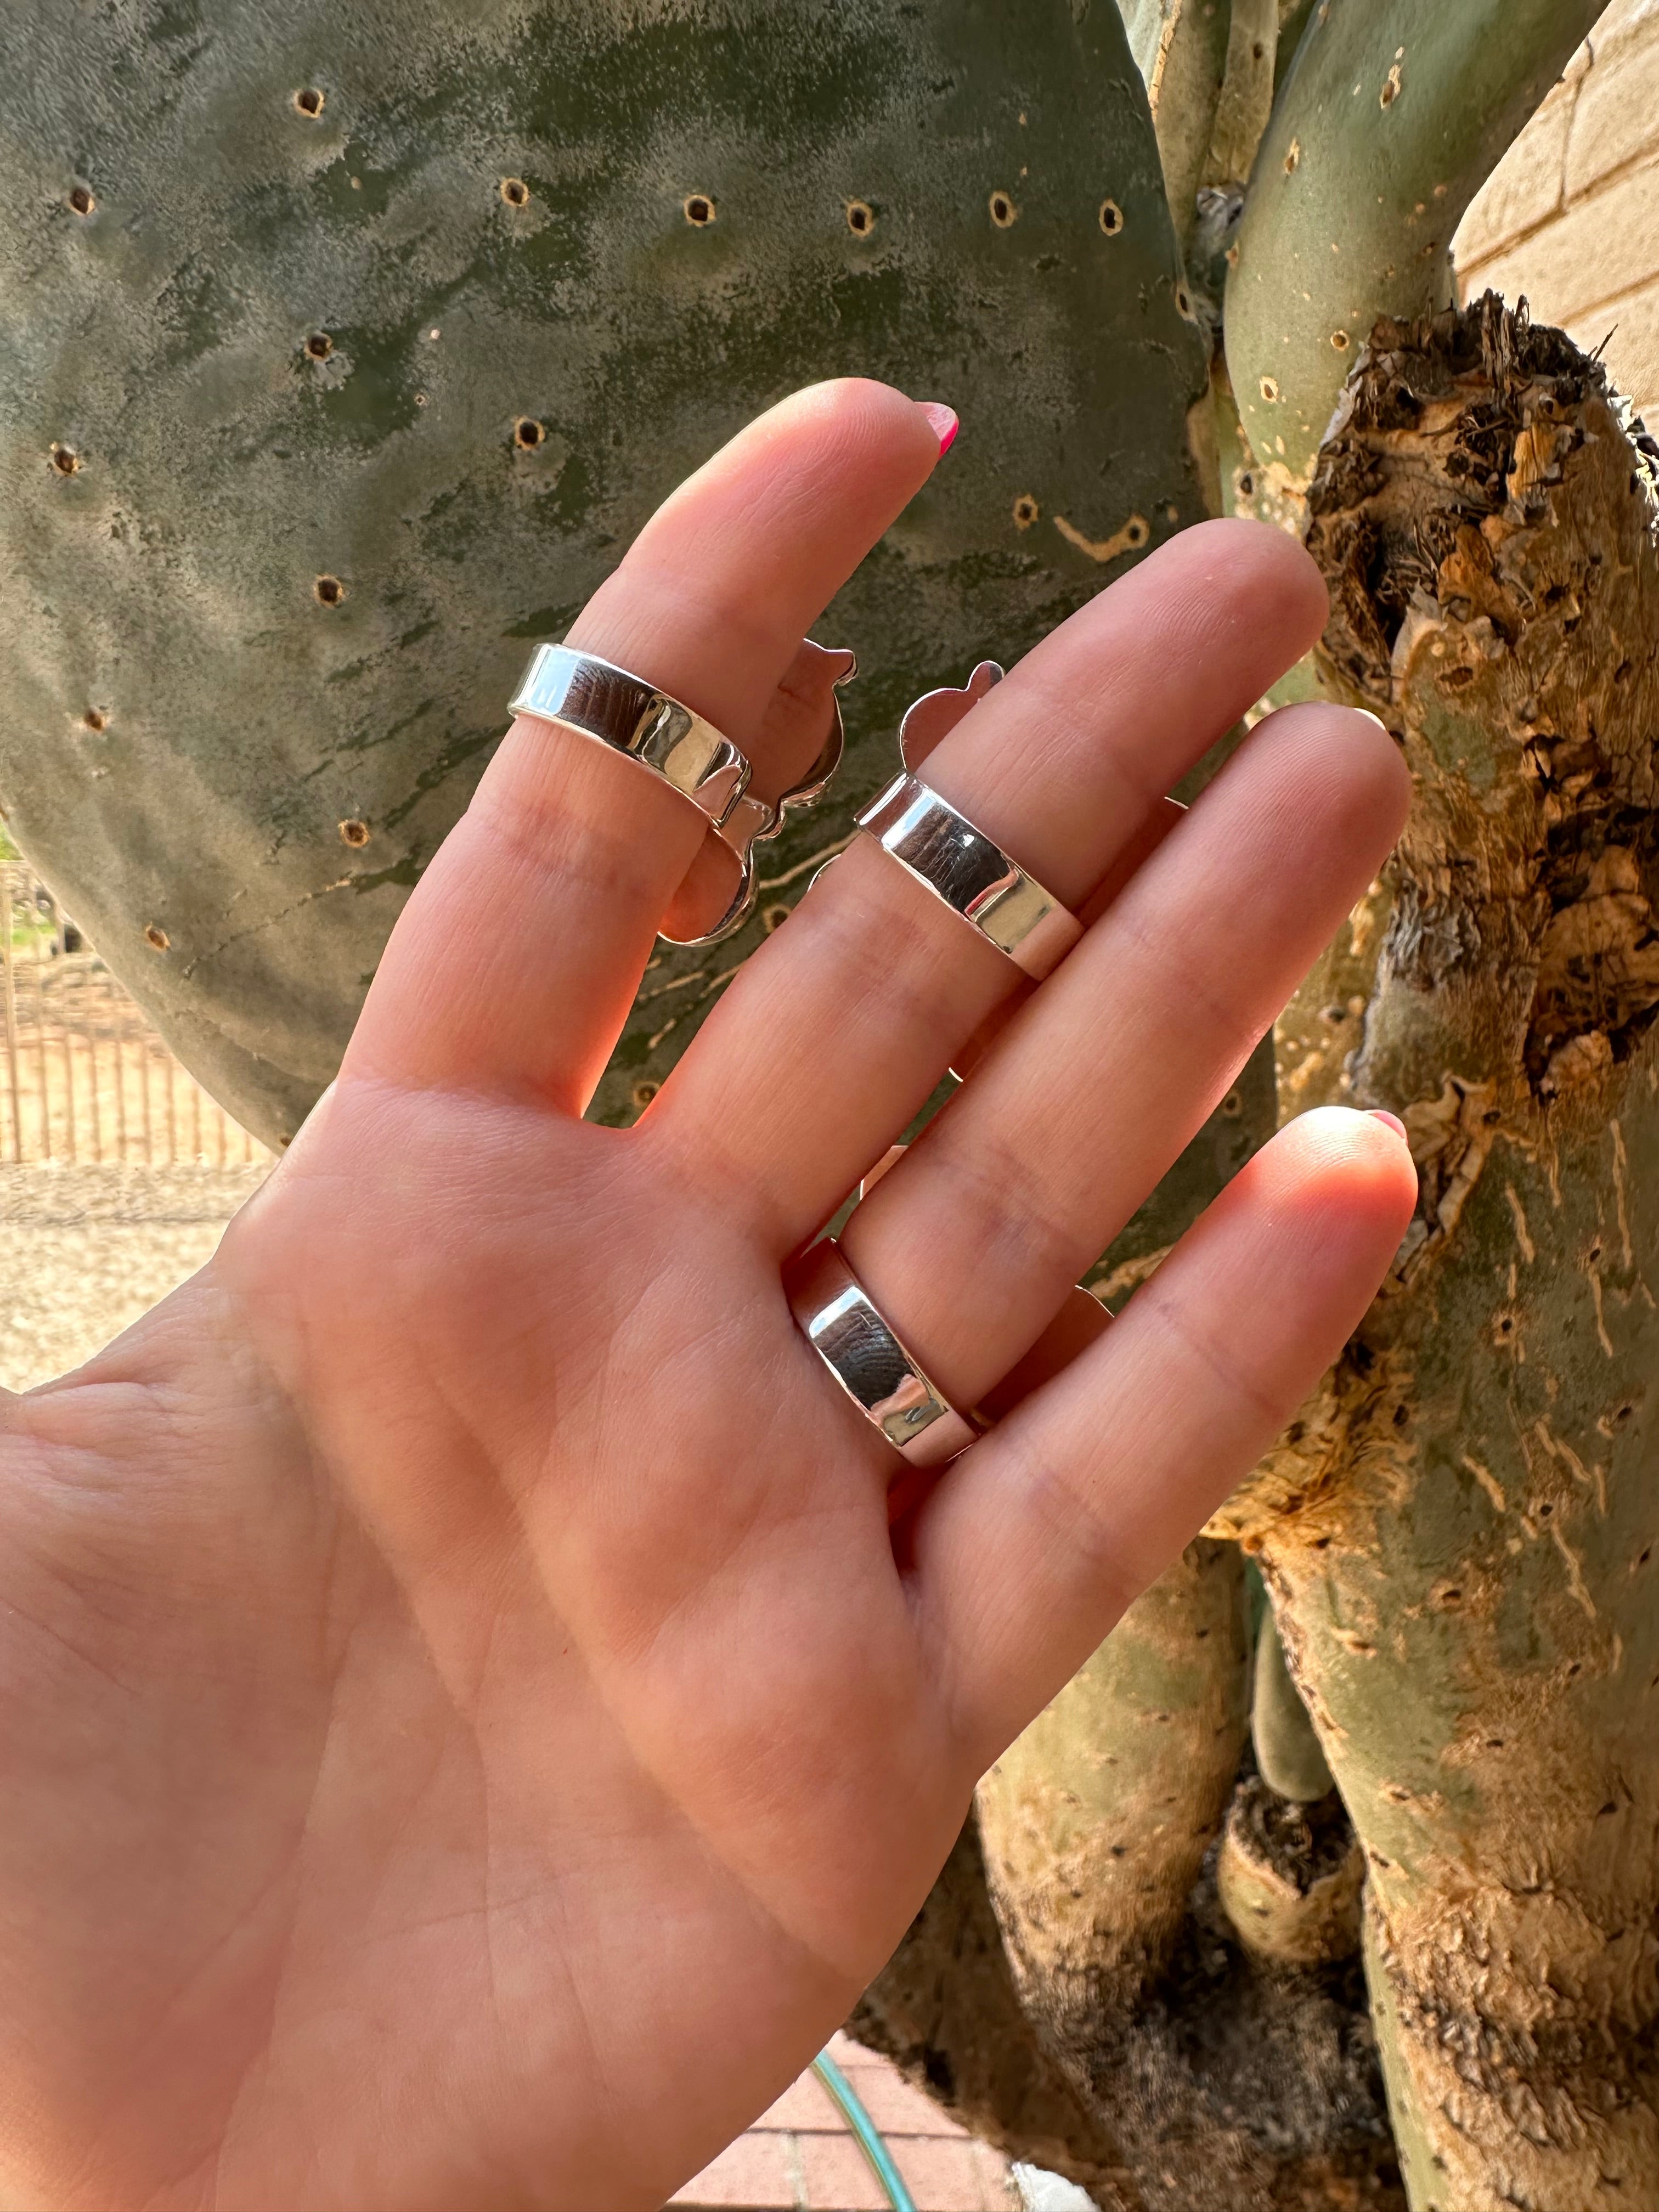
{"type": "Point", "coordinates": [972, 874]}
{"type": "Point", "coordinates": [596, 699]}
{"type": "Point", "coordinates": [839, 1320]}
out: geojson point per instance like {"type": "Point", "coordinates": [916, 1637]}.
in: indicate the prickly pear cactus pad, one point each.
{"type": "Point", "coordinates": [348, 345]}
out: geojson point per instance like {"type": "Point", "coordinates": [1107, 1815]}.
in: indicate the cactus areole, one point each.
{"type": "Point", "coordinates": [348, 345]}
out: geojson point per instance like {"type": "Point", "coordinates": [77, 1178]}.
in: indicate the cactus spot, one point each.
{"type": "Point", "coordinates": [861, 218]}
{"type": "Point", "coordinates": [82, 200]}
{"type": "Point", "coordinates": [1247, 486]}
{"type": "Point", "coordinates": [328, 590]}
{"type": "Point", "coordinates": [95, 719]}
{"type": "Point", "coordinates": [354, 833]}
{"type": "Point", "coordinates": [1391, 91]}
{"type": "Point", "coordinates": [774, 917]}
{"type": "Point", "coordinates": [156, 938]}
{"type": "Point", "coordinates": [1004, 213]}
{"type": "Point", "coordinates": [699, 210]}
{"type": "Point", "coordinates": [308, 101]}
{"type": "Point", "coordinates": [420, 399]}
{"type": "Point", "coordinates": [1293, 157]}
{"type": "Point", "coordinates": [1339, 340]}
{"type": "Point", "coordinates": [64, 459]}
{"type": "Point", "coordinates": [515, 191]}
{"type": "Point", "coordinates": [1183, 300]}
{"type": "Point", "coordinates": [1136, 531]}
{"type": "Point", "coordinates": [1111, 218]}
{"type": "Point", "coordinates": [644, 1093]}
{"type": "Point", "coordinates": [319, 345]}
{"type": "Point", "coordinates": [527, 433]}
{"type": "Point", "coordinates": [1026, 511]}
{"type": "Point", "coordinates": [1233, 1104]}
{"type": "Point", "coordinates": [1270, 389]}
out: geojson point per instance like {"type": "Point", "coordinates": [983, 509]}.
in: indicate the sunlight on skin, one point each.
{"type": "Point", "coordinates": [469, 1738]}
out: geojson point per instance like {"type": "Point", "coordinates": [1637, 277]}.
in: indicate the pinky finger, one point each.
{"type": "Point", "coordinates": [1036, 1540]}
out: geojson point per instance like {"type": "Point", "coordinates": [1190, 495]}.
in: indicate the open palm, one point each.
{"type": "Point", "coordinates": [469, 1730]}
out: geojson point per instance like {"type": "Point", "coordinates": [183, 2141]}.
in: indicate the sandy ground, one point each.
{"type": "Point", "coordinates": [85, 1250]}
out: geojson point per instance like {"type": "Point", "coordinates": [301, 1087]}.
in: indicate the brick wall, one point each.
{"type": "Point", "coordinates": [1571, 216]}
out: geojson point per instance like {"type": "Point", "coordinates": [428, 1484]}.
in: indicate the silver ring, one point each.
{"type": "Point", "coordinates": [598, 700]}
{"type": "Point", "coordinates": [973, 875]}
{"type": "Point", "coordinates": [752, 821]}
{"type": "Point", "coordinates": [839, 1320]}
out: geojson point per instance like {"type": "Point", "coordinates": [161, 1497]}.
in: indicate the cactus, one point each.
{"type": "Point", "coordinates": [344, 364]}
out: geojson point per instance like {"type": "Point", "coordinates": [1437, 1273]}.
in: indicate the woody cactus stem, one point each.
{"type": "Point", "coordinates": [1390, 119]}
{"type": "Point", "coordinates": [1461, 1531]}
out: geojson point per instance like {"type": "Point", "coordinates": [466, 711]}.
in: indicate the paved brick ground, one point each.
{"type": "Point", "coordinates": [802, 2157]}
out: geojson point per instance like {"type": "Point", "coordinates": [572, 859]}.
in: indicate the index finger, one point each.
{"type": "Point", "coordinates": [516, 959]}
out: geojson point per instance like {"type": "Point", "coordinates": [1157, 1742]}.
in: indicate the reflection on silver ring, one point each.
{"type": "Point", "coordinates": [974, 877]}
{"type": "Point", "coordinates": [853, 1340]}
{"type": "Point", "coordinates": [598, 700]}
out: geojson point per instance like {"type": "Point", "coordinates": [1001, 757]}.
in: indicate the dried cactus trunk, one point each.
{"type": "Point", "coordinates": [1459, 1532]}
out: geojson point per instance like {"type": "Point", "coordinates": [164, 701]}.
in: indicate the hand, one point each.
{"type": "Point", "coordinates": [468, 1735]}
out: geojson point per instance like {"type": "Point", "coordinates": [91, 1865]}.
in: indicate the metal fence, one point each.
{"type": "Point", "coordinates": [83, 1078]}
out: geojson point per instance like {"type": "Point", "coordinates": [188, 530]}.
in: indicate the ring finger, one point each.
{"type": "Point", "coordinates": [974, 1240]}
{"type": "Point", "coordinates": [836, 1032]}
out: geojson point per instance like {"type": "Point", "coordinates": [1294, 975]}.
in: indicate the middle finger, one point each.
{"type": "Point", "coordinates": [833, 1035]}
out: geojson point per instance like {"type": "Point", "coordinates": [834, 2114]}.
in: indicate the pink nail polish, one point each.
{"type": "Point", "coordinates": [942, 421]}
{"type": "Point", "coordinates": [1393, 1122]}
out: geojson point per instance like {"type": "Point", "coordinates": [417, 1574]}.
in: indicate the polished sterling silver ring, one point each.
{"type": "Point", "coordinates": [597, 699]}
{"type": "Point", "coordinates": [972, 874]}
{"type": "Point", "coordinates": [843, 1327]}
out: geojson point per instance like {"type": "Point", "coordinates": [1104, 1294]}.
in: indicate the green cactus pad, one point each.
{"type": "Point", "coordinates": [1387, 124]}
{"type": "Point", "coordinates": [349, 346]}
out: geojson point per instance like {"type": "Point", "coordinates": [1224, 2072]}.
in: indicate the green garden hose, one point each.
{"type": "Point", "coordinates": [869, 2142]}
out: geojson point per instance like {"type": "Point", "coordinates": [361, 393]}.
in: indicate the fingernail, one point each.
{"type": "Point", "coordinates": [942, 421]}
{"type": "Point", "coordinates": [1392, 1121]}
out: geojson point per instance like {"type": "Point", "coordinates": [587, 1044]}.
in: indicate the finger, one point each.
{"type": "Point", "coordinates": [1041, 1535]}
{"type": "Point", "coordinates": [1127, 864]}
{"type": "Point", "coordinates": [1093, 1091]}
{"type": "Point", "coordinates": [838, 1029]}
{"type": "Point", "coordinates": [1081, 1321]}
{"type": "Point", "coordinates": [791, 739]}
{"type": "Point", "coordinates": [516, 959]}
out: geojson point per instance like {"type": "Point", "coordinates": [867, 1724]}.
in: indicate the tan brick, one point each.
{"type": "Point", "coordinates": [894, 2105]}
{"type": "Point", "coordinates": [1616, 116]}
{"type": "Point", "coordinates": [1632, 353]}
{"type": "Point", "coordinates": [751, 2175]}
{"type": "Point", "coordinates": [998, 2189]}
{"type": "Point", "coordinates": [944, 2177]}
{"type": "Point", "coordinates": [804, 2104]}
{"type": "Point", "coordinates": [1601, 247]}
{"type": "Point", "coordinates": [1524, 189]}
{"type": "Point", "coordinates": [838, 2176]}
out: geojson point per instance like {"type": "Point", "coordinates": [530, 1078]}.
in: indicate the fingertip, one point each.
{"type": "Point", "coordinates": [1357, 1162]}
{"type": "Point", "coordinates": [1272, 561]}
